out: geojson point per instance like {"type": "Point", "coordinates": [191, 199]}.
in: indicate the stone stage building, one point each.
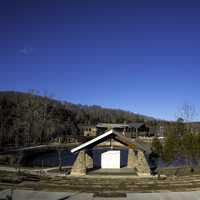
{"type": "Point", "coordinates": [112, 144]}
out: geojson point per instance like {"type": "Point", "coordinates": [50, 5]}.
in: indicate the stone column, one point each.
{"type": "Point", "coordinates": [79, 166]}
{"type": "Point", "coordinates": [142, 164]}
{"type": "Point", "coordinates": [89, 161]}
{"type": "Point", "coordinates": [132, 159]}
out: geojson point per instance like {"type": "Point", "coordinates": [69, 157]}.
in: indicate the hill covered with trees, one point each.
{"type": "Point", "coordinates": [28, 118]}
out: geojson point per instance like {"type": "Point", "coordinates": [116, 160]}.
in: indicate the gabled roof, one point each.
{"type": "Point", "coordinates": [119, 137]}
{"type": "Point", "coordinates": [133, 144]}
{"type": "Point", "coordinates": [91, 141]}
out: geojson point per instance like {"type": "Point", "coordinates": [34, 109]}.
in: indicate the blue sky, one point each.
{"type": "Point", "coordinates": [141, 56]}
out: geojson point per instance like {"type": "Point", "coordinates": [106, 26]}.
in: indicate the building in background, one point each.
{"type": "Point", "coordinates": [131, 130]}
{"type": "Point", "coordinates": [88, 130]}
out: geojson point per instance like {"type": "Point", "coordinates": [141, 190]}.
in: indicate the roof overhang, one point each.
{"type": "Point", "coordinates": [82, 146]}
{"type": "Point", "coordinates": [119, 137]}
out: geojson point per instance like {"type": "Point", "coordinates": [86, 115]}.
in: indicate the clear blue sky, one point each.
{"type": "Point", "coordinates": [142, 56]}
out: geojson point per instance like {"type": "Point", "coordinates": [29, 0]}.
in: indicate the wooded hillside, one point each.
{"type": "Point", "coordinates": [27, 118]}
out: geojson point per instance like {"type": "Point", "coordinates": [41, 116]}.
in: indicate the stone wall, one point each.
{"type": "Point", "coordinates": [137, 160]}
{"type": "Point", "coordinates": [89, 161]}
{"type": "Point", "coordinates": [142, 164]}
{"type": "Point", "coordinates": [79, 166]}
{"type": "Point", "coordinates": [132, 159]}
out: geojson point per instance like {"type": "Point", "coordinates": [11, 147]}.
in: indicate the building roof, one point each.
{"type": "Point", "coordinates": [105, 125]}
{"type": "Point", "coordinates": [130, 125]}
{"type": "Point", "coordinates": [136, 124]}
{"type": "Point", "coordinates": [120, 137]}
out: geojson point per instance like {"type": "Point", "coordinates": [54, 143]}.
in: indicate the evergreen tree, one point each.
{"type": "Point", "coordinates": [170, 148]}
{"type": "Point", "coordinates": [157, 147]}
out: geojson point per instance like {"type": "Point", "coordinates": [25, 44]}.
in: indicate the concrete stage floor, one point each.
{"type": "Point", "coordinates": [120, 172]}
{"type": "Point", "coordinates": [42, 195]}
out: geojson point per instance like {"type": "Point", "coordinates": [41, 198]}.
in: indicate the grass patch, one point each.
{"type": "Point", "coordinates": [180, 171]}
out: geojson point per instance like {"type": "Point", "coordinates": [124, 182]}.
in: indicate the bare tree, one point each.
{"type": "Point", "coordinates": [187, 112]}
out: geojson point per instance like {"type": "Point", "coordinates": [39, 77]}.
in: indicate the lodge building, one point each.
{"type": "Point", "coordinates": [130, 130]}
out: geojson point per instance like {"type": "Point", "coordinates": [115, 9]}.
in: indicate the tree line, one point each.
{"type": "Point", "coordinates": [181, 142]}
{"type": "Point", "coordinates": [29, 118]}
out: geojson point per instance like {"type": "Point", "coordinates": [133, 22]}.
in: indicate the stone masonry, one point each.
{"type": "Point", "coordinates": [132, 159]}
{"type": "Point", "coordinates": [137, 160]}
{"type": "Point", "coordinates": [79, 166]}
{"type": "Point", "coordinates": [89, 161]}
{"type": "Point", "coordinates": [142, 164]}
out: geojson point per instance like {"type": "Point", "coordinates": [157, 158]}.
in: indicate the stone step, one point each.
{"type": "Point", "coordinates": [104, 181]}
{"type": "Point", "coordinates": [113, 184]}
{"type": "Point", "coordinates": [125, 183]}
{"type": "Point", "coordinates": [127, 179]}
{"type": "Point", "coordinates": [114, 187]}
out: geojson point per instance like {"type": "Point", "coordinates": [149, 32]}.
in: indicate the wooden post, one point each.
{"type": "Point", "coordinates": [136, 133]}
{"type": "Point", "coordinates": [60, 159]}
